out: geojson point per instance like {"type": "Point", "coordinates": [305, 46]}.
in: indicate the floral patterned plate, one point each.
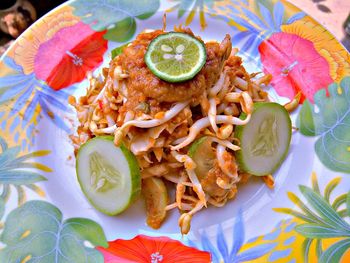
{"type": "Point", "coordinates": [44, 215]}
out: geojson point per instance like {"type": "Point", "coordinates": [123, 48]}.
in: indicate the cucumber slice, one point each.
{"type": "Point", "coordinates": [203, 155]}
{"type": "Point", "coordinates": [265, 139]}
{"type": "Point", "coordinates": [109, 176]}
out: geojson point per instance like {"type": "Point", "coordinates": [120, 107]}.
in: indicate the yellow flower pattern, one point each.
{"type": "Point", "coordinates": [27, 46]}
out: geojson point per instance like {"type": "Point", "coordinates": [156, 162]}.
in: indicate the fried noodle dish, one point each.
{"type": "Point", "coordinates": [181, 133]}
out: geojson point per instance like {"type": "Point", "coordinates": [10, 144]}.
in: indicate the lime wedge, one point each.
{"type": "Point", "coordinates": [175, 57]}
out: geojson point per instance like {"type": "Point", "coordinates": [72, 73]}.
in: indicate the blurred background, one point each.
{"type": "Point", "coordinates": [17, 15]}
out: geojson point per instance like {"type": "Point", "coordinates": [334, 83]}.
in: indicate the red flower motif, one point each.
{"type": "Point", "coordinates": [69, 55]}
{"type": "Point", "coordinates": [144, 249]}
{"type": "Point", "coordinates": [295, 65]}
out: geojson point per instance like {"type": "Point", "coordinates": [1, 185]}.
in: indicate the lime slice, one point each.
{"type": "Point", "coordinates": [108, 175]}
{"type": "Point", "coordinates": [265, 139]}
{"type": "Point", "coordinates": [175, 57]}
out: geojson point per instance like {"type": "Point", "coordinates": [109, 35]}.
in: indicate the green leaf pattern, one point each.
{"type": "Point", "coordinates": [118, 17]}
{"type": "Point", "coordinates": [41, 236]}
{"type": "Point", "coordinates": [316, 231]}
{"type": "Point", "coordinates": [324, 209]}
{"type": "Point", "coordinates": [34, 232]}
{"type": "Point", "coordinates": [306, 248]}
{"type": "Point", "coordinates": [14, 171]}
{"type": "Point", "coordinates": [329, 119]}
{"type": "Point", "coordinates": [335, 252]}
{"type": "Point", "coordinates": [324, 221]}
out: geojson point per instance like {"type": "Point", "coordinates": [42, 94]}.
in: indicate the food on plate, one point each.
{"type": "Point", "coordinates": [187, 116]}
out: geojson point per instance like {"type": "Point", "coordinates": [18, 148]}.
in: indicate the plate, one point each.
{"type": "Point", "coordinates": [46, 218]}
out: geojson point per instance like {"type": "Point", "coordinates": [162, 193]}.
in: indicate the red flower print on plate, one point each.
{"type": "Point", "coordinates": [144, 249]}
{"type": "Point", "coordinates": [69, 55]}
{"type": "Point", "coordinates": [295, 65]}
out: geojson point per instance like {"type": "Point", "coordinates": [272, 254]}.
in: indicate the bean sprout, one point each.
{"type": "Point", "coordinates": [203, 123]}
{"type": "Point", "coordinates": [149, 123]}
{"type": "Point", "coordinates": [212, 114]}
{"type": "Point", "coordinates": [220, 152]}
{"type": "Point", "coordinates": [158, 121]}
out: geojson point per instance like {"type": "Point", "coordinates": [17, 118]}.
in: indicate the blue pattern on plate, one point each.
{"type": "Point", "coordinates": [24, 88]}
{"type": "Point", "coordinates": [273, 235]}
{"type": "Point", "coordinates": [290, 227]}
{"type": "Point", "coordinates": [221, 252]}
{"type": "Point", "coordinates": [258, 27]}
{"type": "Point", "coordinates": [289, 240]}
{"type": "Point", "coordinates": [278, 254]}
